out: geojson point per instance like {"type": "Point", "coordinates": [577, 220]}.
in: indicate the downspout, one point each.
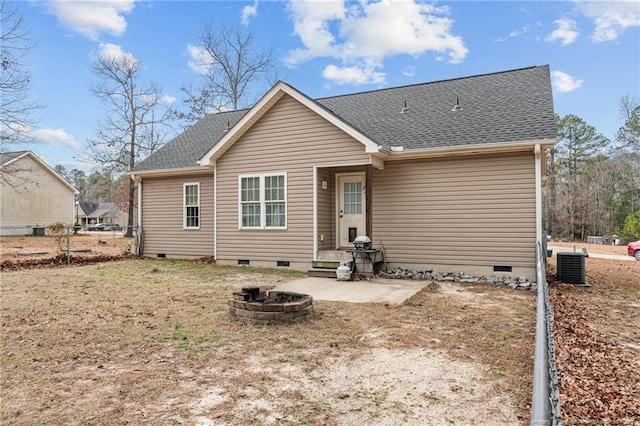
{"type": "Point", "coordinates": [538, 165]}
{"type": "Point", "coordinates": [215, 212]}
{"type": "Point", "coordinates": [139, 181]}
{"type": "Point", "coordinates": [138, 232]}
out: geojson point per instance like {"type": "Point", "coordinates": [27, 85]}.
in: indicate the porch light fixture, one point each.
{"type": "Point", "coordinates": [457, 106]}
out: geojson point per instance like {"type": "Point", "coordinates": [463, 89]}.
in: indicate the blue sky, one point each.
{"type": "Point", "coordinates": [326, 48]}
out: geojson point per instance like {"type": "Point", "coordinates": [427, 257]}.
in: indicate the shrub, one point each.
{"type": "Point", "coordinates": [57, 229]}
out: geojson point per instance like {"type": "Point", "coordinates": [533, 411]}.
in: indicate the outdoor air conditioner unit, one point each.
{"type": "Point", "coordinates": [571, 268]}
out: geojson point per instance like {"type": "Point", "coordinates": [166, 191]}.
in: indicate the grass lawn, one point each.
{"type": "Point", "coordinates": [151, 341]}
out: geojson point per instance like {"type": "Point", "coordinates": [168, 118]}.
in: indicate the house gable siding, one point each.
{"type": "Point", "coordinates": [288, 138]}
{"type": "Point", "coordinates": [465, 214]}
{"type": "Point", "coordinates": [162, 217]}
{"type": "Point", "coordinates": [38, 198]}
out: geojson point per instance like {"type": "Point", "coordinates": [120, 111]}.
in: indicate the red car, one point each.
{"type": "Point", "coordinates": [633, 249]}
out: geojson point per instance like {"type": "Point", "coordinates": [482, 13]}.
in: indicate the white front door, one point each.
{"type": "Point", "coordinates": [351, 208]}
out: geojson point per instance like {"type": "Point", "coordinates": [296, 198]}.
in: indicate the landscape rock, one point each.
{"type": "Point", "coordinates": [519, 283]}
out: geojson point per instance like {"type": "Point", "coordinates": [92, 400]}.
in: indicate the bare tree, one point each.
{"type": "Point", "coordinates": [136, 122]}
{"type": "Point", "coordinates": [629, 134]}
{"type": "Point", "coordinates": [232, 65]}
{"type": "Point", "coordinates": [16, 107]}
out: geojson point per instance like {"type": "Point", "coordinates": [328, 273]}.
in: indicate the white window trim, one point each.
{"type": "Point", "coordinates": [184, 205]}
{"type": "Point", "coordinates": [263, 210]}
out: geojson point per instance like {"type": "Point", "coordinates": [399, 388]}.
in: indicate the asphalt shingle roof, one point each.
{"type": "Point", "coordinates": [96, 209]}
{"type": "Point", "coordinates": [5, 157]}
{"type": "Point", "coordinates": [188, 147]}
{"type": "Point", "coordinates": [506, 106]}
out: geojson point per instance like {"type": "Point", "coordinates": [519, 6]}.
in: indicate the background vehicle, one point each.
{"type": "Point", "coordinates": [104, 227]}
{"type": "Point", "coordinates": [95, 227]}
{"type": "Point", "coordinates": [633, 249]}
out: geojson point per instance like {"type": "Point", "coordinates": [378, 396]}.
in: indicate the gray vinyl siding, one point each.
{"type": "Point", "coordinates": [476, 211]}
{"type": "Point", "coordinates": [288, 138]}
{"type": "Point", "coordinates": [162, 217]}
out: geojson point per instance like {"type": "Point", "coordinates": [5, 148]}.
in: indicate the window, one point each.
{"type": "Point", "coordinates": [352, 197]}
{"type": "Point", "coordinates": [191, 206]}
{"type": "Point", "coordinates": [263, 201]}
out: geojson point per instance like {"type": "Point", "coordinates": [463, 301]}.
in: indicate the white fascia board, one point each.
{"type": "Point", "coordinates": [169, 172]}
{"type": "Point", "coordinates": [490, 148]}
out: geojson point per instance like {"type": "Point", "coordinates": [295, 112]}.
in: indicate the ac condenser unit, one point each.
{"type": "Point", "coordinates": [571, 268]}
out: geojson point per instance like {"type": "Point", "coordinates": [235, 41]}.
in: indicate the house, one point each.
{"type": "Point", "coordinates": [32, 195]}
{"type": "Point", "coordinates": [98, 212]}
{"type": "Point", "coordinates": [444, 175]}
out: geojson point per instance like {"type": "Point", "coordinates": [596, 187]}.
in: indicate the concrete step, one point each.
{"type": "Point", "coordinates": [323, 273]}
{"type": "Point", "coordinates": [334, 255]}
{"type": "Point", "coordinates": [325, 264]}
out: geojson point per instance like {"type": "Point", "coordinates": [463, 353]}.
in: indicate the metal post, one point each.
{"type": "Point", "coordinates": [68, 245]}
{"type": "Point", "coordinates": [540, 403]}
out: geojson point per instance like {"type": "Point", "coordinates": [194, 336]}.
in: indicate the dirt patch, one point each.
{"type": "Point", "coordinates": [27, 252]}
{"type": "Point", "coordinates": [148, 341]}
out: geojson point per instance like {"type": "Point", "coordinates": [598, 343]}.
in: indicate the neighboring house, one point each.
{"type": "Point", "coordinates": [92, 212]}
{"type": "Point", "coordinates": [32, 194]}
{"type": "Point", "coordinates": [444, 175]}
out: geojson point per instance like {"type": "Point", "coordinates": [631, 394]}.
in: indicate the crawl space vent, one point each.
{"type": "Point", "coordinates": [571, 268]}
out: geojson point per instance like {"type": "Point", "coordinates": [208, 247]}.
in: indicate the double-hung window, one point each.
{"type": "Point", "coordinates": [191, 212]}
{"type": "Point", "coordinates": [263, 201]}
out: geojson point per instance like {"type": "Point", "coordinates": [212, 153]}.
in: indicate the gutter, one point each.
{"type": "Point", "coordinates": [170, 172]}
{"type": "Point", "coordinates": [399, 153]}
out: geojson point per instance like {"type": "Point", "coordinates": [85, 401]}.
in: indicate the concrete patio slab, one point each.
{"type": "Point", "coordinates": [378, 290]}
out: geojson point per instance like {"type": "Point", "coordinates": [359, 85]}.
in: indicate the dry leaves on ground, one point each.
{"type": "Point", "coordinates": [29, 252]}
{"type": "Point", "coordinates": [598, 344]}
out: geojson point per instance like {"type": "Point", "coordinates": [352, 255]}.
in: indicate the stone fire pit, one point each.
{"type": "Point", "coordinates": [272, 307]}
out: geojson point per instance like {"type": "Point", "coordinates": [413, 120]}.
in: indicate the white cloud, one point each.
{"type": "Point", "coordinates": [200, 61]}
{"type": "Point", "coordinates": [91, 18]}
{"type": "Point", "coordinates": [352, 75]}
{"type": "Point", "coordinates": [114, 52]}
{"type": "Point", "coordinates": [564, 83]}
{"type": "Point", "coordinates": [362, 35]}
{"type": "Point", "coordinates": [409, 71]}
{"type": "Point", "coordinates": [55, 137]}
{"type": "Point", "coordinates": [610, 18]}
{"type": "Point", "coordinates": [167, 99]}
{"type": "Point", "coordinates": [249, 11]}
{"type": "Point", "coordinates": [525, 29]}
{"type": "Point", "coordinates": [565, 31]}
